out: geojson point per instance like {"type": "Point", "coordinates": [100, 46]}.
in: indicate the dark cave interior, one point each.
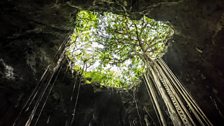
{"type": "Point", "coordinates": [31, 32]}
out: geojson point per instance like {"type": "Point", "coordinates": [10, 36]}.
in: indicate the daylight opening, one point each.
{"type": "Point", "coordinates": [113, 49]}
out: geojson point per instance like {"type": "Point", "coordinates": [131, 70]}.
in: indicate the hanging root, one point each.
{"type": "Point", "coordinates": [173, 94]}
{"type": "Point", "coordinates": [77, 96]}
{"type": "Point", "coordinates": [48, 93]}
{"type": "Point", "coordinates": [32, 96]}
{"type": "Point", "coordinates": [43, 89]}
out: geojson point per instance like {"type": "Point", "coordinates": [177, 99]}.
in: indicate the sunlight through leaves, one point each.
{"type": "Point", "coordinates": [113, 48]}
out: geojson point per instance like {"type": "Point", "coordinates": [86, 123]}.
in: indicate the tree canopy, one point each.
{"type": "Point", "coordinates": [112, 49]}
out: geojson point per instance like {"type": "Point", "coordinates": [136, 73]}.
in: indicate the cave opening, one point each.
{"type": "Point", "coordinates": [111, 49]}
{"type": "Point", "coordinates": [115, 51]}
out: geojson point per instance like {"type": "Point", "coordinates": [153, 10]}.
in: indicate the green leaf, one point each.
{"type": "Point", "coordinates": [112, 46]}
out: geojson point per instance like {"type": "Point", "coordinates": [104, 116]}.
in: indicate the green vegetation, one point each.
{"type": "Point", "coordinates": [113, 49]}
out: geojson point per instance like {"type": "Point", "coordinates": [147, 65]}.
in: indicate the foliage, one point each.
{"type": "Point", "coordinates": [112, 49]}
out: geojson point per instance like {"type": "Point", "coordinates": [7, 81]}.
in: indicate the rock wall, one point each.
{"type": "Point", "coordinates": [30, 34]}
{"type": "Point", "coordinates": [196, 53]}
{"type": "Point", "coordinates": [32, 31]}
